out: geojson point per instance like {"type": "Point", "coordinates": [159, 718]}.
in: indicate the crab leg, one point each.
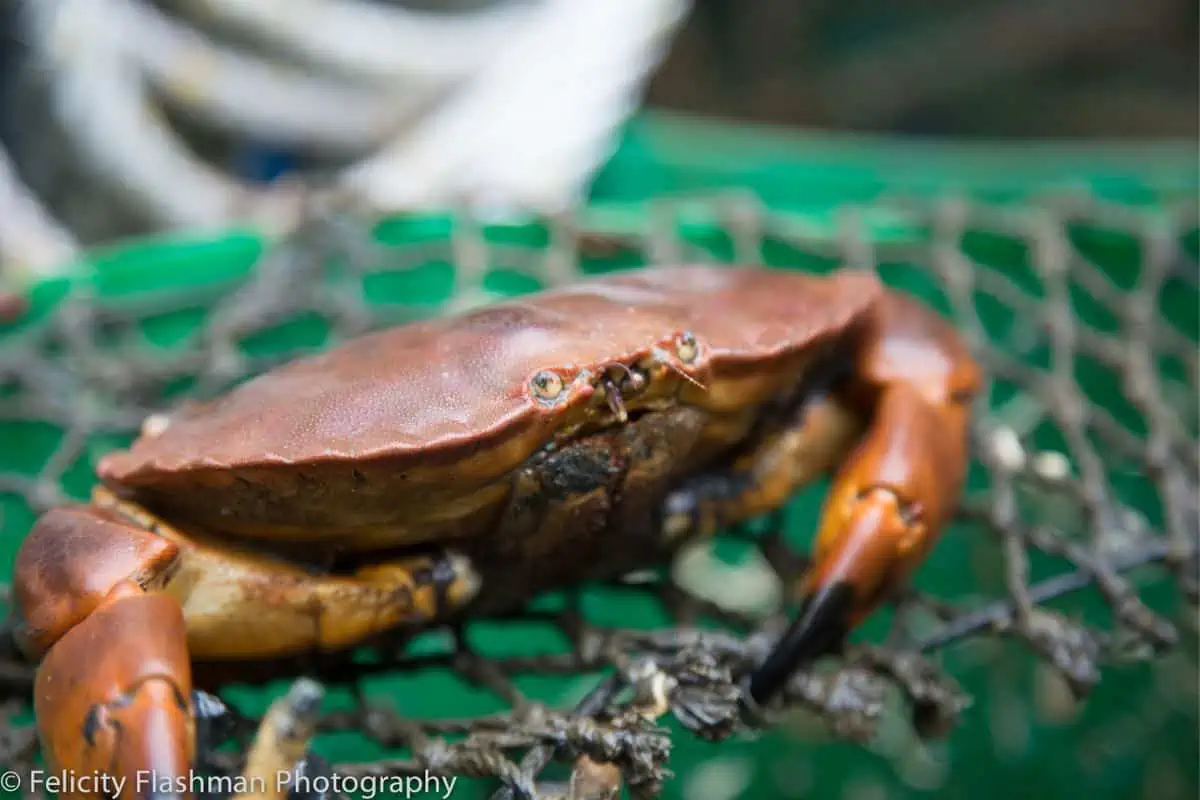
{"type": "Point", "coordinates": [896, 424]}
{"type": "Point", "coordinates": [281, 742]}
{"type": "Point", "coordinates": [112, 695]}
{"type": "Point", "coordinates": [914, 380]}
{"type": "Point", "coordinates": [116, 604]}
{"type": "Point", "coordinates": [820, 434]}
{"type": "Point", "coordinates": [242, 604]}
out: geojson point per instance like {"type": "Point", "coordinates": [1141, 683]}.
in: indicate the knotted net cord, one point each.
{"type": "Point", "coordinates": [1049, 328]}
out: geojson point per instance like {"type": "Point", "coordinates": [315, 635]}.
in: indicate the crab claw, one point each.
{"type": "Point", "coordinates": [886, 510]}
{"type": "Point", "coordinates": [113, 696]}
{"type": "Point", "coordinates": [868, 551]}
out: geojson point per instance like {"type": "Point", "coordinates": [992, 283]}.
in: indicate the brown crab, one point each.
{"type": "Point", "coordinates": [458, 466]}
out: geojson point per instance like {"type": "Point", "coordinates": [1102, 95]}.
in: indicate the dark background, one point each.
{"type": "Point", "coordinates": [1013, 68]}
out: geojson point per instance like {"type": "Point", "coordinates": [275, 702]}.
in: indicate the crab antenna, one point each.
{"type": "Point", "coordinates": [668, 361]}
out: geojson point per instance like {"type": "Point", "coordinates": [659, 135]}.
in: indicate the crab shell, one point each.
{"type": "Point", "coordinates": [407, 435]}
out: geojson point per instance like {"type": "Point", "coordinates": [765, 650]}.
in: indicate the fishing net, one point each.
{"type": "Point", "coordinates": [1074, 556]}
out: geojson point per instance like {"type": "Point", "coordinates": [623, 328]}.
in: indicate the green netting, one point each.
{"type": "Point", "coordinates": [815, 171]}
{"type": "Point", "coordinates": [1085, 314]}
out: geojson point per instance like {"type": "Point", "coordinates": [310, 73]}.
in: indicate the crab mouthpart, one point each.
{"type": "Point", "coordinates": [612, 396]}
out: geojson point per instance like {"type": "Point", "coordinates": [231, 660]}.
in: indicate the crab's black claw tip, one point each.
{"type": "Point", "coordinates": [820, 626]}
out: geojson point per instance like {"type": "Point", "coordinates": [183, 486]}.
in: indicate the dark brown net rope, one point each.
{"type": "Point", "coordinates": [85, 373]}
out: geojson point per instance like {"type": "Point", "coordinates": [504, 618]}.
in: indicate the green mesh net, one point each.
{"type": "Point", "coordinates": [1074, 557]}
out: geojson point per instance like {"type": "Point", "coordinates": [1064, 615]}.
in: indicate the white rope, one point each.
{"type": "Point", "coordinates": [516, 104]}
{"type": "Point", "coordinates": [32, 243]}
{"type": "Point", "coordinates": [253, 97]}
{"type": "Point", "coordinates": [532, 127]}
{"type": "Point", "coordinates": [376, 41]}
{"type": "Point", "coordinates": [101, 101]}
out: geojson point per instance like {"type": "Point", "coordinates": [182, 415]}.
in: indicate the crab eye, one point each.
{"type": "Point", "coordinates": [686, 348]}
{"type": "Point", "coordinates": [546, 385]}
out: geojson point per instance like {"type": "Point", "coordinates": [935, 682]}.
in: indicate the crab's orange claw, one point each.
{"type": "Point", "coordinates": [68, 565]}
{"type": "Point", "coordinates": [113, 697]}
{"type": "Point", "coordinates": [895, 492]}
